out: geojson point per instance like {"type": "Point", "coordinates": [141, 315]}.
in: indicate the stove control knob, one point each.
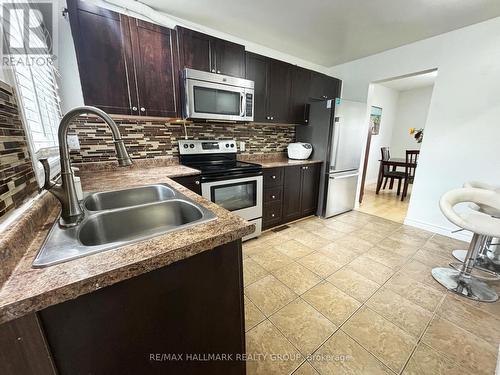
{"type": "Point", "coordinates": [191, 145]}
{"type": "Point", "coordinates": [186, 145]}
{"type": "Point", "coordinates": [227, 145]}
{"type": "Point", "coordinates": [232, 145]}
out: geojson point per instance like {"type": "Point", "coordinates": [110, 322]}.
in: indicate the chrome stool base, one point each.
{"type": "Point", "coordinates": [467, 286]}
{"type": "Point", "coordinates": [482, 262]}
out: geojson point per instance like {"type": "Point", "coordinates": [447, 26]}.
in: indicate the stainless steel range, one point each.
{"type": "Point", "coordinates": [232, 184]}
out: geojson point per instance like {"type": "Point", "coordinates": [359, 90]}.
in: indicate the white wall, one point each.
{"type": "Point", "coordinates": [462, 138]}
{"type": "Point", "coordinates": [411, 112]}
{"type": "Point", "coordinates": [387, 99]}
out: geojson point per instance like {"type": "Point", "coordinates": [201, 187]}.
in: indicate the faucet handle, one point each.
{"type": "Point", "coordinates": [46, 169]}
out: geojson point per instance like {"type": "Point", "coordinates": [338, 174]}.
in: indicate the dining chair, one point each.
{"type": "Point", "coordinates": [389, 174]}
{"type": "Point", "coordinates": [411, 166]}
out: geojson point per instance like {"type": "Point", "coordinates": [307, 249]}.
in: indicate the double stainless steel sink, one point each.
{"type": "Point", "coordinates": [121, 217]}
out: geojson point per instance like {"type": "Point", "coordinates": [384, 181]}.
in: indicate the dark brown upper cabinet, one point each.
{"type": "Point", "coordinates": [257, 70]}
{"type": "Point", "coordinates": [299, 97]}
{"type": "Point", "coordinates": [278, 99]}
{"type": "Point", "coordinates": [323, 87]}
{"type": "Point", "coordinates": [126, 65]}
{"type": "Point", "coordinates": [103, 60]}
{"type": "Point", "coordinates": [154, 60]}
{"type": "Point", "coordinates": [194, 49]}
{"type": "Point", "coordinates": [272, 88]}
{"type": "Point", "coordinates": [204, 52]}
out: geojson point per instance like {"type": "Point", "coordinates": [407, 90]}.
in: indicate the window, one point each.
{"type": "Point", "coordinates": [34, 77]}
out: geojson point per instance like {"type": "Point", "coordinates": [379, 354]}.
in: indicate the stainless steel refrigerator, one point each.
{"type": "Point", "coordinates": [336, 129]}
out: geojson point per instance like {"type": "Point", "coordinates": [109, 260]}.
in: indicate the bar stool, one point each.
{"type": "Point", "coordinates": [483, 226]}
{"type": "Point", "coordinates": [488, 260]}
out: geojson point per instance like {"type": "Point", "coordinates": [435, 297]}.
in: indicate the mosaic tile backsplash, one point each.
{"type": "Point", "coordinates": [148, 139]}
{"type": "Point", "coordinates": [17, 178]}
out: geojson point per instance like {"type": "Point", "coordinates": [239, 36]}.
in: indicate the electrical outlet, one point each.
{"type": "Point", "coordinates": [73, 142]}
{"type": "Point", "coordinates": [242, 146]}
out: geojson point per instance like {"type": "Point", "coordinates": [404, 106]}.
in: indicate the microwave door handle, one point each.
{"type": "Point", "coordinates": [242, 107]}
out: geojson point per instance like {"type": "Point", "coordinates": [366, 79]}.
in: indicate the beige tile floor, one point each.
{"type": "Point", "coordinates": [354, 295]}
{"type": "Point", "coordinates": [386, 203]}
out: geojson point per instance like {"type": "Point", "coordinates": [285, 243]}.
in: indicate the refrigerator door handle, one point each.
{"type": "Point", "coordinates": [335, 149]}
{"type": "Point", "coordinates": [344, 176]}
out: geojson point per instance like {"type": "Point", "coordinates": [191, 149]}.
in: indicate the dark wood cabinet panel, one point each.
{"type": "Point", "coordinates": [299, 97]}
{"type": "Point", "coordinates": [278, 103]}
{"type": "Point", "coordinates": [273, 177]}
{"type": "Point", "coordinates": [271, 215]}
{"type": "Point", "coordinates": [323, 87]}
{"type": "Point", "coordinates": [229, 58]}
{"type": "Point", "coordinates": [191, 182]}
{"type": "Point", "coordinates": [256, 70]}
{"type": "Point", "coordinates": [309, 188]}
{"type": "Point", "coordinates": [195, 50]}
{"type": "Point", "coordinates": [292, 193]}
{"type": "Point", "coordinates": [127, 66]}
{"type": "Point", "coordinates": [273, 194]}
{"type": "Point", "coordinates": [23, 349]}
{"type": "Point", "coordinates": [103, 56]}
{"type": "Point", "coordinates": [204, 52]}
{"type": "Point", "coordinates": [153, 51]}
{"type": "Point", "coordinates": [193, 306]}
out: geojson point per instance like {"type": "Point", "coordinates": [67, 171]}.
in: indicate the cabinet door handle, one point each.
{"type": "Point", "coordinates": [218, 71]}
{"type": "Point", "coordinates": [272, 215]}
{"type": "Point", "coordinates": [273, 177]}
{"type": "Point", "coordinates": [272, 117]}
{"type": "Point", "coordinates": [143, 109]}
{"type": "Point", "coordinates": [134, 108]}
{"type": "Point", "coordinates": [213, 70]}
{"type": "Point", "coordinates": [273, 196]}
{"type": "Point", "coordinates": [197, 182]}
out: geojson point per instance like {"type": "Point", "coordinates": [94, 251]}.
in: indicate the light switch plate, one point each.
{"type": "Point", "coordinates": [242, 146]}
{"type": "Point", "coordinates": [73, 142]}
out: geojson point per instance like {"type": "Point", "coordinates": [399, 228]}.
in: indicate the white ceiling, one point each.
{"type": "Point", "coordinates": [331, 32]}
{"type": "Point", "coordinates": [411, 82]}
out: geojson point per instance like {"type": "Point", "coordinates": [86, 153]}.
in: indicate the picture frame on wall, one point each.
{"type": "Point", "coordinates": [375, 118]}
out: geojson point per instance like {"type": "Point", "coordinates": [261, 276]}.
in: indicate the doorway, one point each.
{"type": "Point", "coordinates": [398, 114]}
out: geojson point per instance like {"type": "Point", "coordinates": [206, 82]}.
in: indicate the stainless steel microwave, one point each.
{"type": "Point", "coordinates": [210, 96]}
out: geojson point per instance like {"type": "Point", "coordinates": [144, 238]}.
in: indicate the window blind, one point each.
{"type": "Point", "coordinates": [36, 84]}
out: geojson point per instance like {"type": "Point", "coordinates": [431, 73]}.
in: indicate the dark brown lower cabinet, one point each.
{"type": "Point", "coordinates": [190, 182]}
{"type": "Point", "coordinates": [292, 189]}
{"type": "Point", "coordinates": [168, 321]}
{"type": "Point", "coordinates": [290, 193]}
{"type": "Point", "coordinates": [309, 189]}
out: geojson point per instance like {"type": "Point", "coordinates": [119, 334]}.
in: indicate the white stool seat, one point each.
{"type": "Point", "coordinates": [482, 185]}
{"type": "Point", "coordinates": [480, 222]}
{"type": "Point", "coordinates": [477, 218]}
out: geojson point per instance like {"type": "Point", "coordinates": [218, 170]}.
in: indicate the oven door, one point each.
{"type": "Point", "coordinates": [242, 196]}
{"type": "Point", "coordinates": [214, 101]}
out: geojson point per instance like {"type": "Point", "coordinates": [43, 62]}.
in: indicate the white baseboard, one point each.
{"type": "Point", "coordinates": [445, 231]}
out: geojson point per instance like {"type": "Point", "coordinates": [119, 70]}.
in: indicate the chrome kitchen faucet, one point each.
{"type": "Point", "coordinates": [65, 192]}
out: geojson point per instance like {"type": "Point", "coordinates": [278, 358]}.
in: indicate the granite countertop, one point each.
{"type": "Point", "coordinates": [286, 163]}
{"type": "Point", "coordinates": [24, 289]}
{"type": "Point", "coordinates": [275, 160]}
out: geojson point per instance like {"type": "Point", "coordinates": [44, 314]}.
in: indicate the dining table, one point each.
{"type": "Point", "coordinates": [392, 163]}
